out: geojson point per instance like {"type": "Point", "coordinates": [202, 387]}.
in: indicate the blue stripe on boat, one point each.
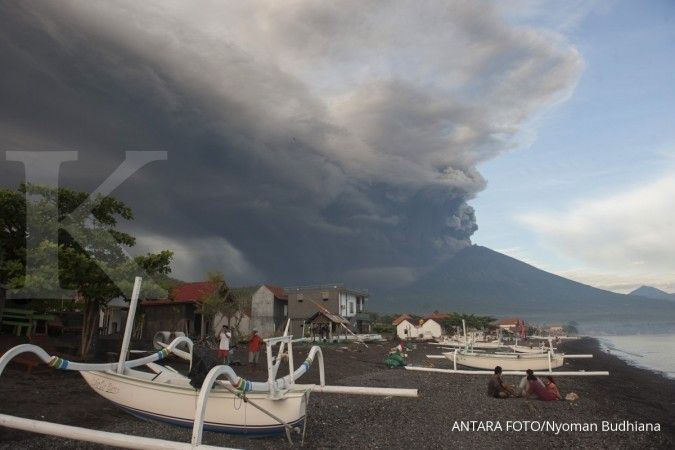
{"type": "Point", "coordinates": [253, 430]}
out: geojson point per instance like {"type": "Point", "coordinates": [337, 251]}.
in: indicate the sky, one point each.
{"type": "Point", "coordinates": [364, 142]}
{"type": "Point", "coordinates": [590, 195]}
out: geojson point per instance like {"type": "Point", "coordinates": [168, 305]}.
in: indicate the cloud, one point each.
{"type": "Point", "coordinates": [630, 232]}
{"type": "Point", "coordinates": [319, 139]}
{"type": "Point", "coordinates": [193, 254]}
{"type": "Point", "coordinates": [623, 281]}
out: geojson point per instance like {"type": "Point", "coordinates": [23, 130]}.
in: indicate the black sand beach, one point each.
{"type": "Point", "coordinates": [340, 421]}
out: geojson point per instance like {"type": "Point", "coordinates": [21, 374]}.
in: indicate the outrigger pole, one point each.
{"type": "Point", "coordinates": [130, 324]}
{"type": "Point", "coordinates": [580, 373]}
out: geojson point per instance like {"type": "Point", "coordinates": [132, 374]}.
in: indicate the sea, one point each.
{"type": "Point", "coordinates": [654, 352]}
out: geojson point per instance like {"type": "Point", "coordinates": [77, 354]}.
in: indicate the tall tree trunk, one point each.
{"type": "Point", "coordinates": [3, 295]}
{"type": "Point", "coordinates": [89, 326]}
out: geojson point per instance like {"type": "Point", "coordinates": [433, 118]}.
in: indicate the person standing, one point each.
{"type": "Point", "coordinates": [224, 346]}
{"type": "Point", "coordinates": [254, 345]}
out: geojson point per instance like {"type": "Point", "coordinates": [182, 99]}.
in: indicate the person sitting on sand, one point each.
{"type": "Point", "coordinates": [536, 387]}
{"type": "Point", "coordinates": [552, 387]}
{"type": "Point", "coordinates": [496, 386]}
{"type": "Point", "coordinates": [522, 386]}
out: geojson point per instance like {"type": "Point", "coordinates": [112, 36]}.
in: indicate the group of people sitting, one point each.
{"type": "Point", "coordinates": [529, 387]}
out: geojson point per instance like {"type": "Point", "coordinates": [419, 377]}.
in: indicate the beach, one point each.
{"type": "Point", "coordinates": [451, 411]}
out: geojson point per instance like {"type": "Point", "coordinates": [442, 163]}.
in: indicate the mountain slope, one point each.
{"type": "Point", "coordinates": [652, 292]}
{"type": "Point", "coordinates": [482, 281]}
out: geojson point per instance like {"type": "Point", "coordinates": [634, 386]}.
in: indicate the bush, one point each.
{"type": "Point", "coordinates": [383, 328]}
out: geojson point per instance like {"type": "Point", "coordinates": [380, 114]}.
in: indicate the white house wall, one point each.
{"type": "Point", "coordinates": [428, 330]}
{"type": "Point", "coordinates": [262, 312]}
{"type": "Point", "coordinates": [348, 305]}
{"type": "Point", "coordinates": [431, 329]}
{"type": "Point", "coordinates": [405, 326]}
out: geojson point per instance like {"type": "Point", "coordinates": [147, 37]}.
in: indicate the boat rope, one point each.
{"type": "Point", "coordinates": [243, 385]}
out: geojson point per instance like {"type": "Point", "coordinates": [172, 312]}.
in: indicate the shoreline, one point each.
{"type": "Point", "coordinates": [629, 357]}
{"type": "Point", "coordinates": [629, 394]}
{"type": "Point", "coordinates": [652, 389]}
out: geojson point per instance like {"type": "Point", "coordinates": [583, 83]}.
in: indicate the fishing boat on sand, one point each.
{"type": "Point", "coordinates": [230, 405]}
{"type": "Point", "coordinates": [541, 348]}
{"type": "Point", "coordinates": [507, 361]}
{"type": "Point", "coordinates": [537, 359]}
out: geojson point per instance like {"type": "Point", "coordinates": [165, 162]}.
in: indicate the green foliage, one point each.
{"type": "Point", "coordinates": [90, 249]}
{"type": "Point", "coordinates": [472, 321]}
{"type": "Point", "coordinates": [228, 303]}
{"type": "Point", "coordinates": [571, 328]}
{"type": "Point", "coordinates": [384, 328]}
{"type": "Point", "coordinates": [220, 301]}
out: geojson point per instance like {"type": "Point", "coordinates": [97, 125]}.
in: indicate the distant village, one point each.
{"type": "Point", "coordinates": [323, 312]}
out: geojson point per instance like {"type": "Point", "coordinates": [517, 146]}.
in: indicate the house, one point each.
{"type": "Point", "coordinates": [113, 316]}
{"type": "Point", "coordinates": [513, 325]}
{"type": "Point", "coordinates": [262, 307]}
{"type": "Point", "coordinates": [305, 301]}
{"type": "Point", "coordinates": [429, 327]}
{"type": "Point", "coordinates": [405, 327]}
{"type": "Point", "coordinates": [325, 325]}
{"type": "Point", "coordinates": [179, 312]}
{"type": "Point", "coordinates": [269, 310]}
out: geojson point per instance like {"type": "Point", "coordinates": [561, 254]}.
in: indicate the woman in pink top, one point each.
{"type": "Point", "coordinates": [535, 387]}
{"type": "Point", "coordinates": [551, 387]}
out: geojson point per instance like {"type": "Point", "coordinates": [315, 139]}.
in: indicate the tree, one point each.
{"type": "Point", "coordinates": [472, 321]}
{"type": "Point", "coordinates": [571, 328]}
{"type": "Point", "coordinates": [225, 302]}
{"type": "Point", "coordinates": [91, 256]}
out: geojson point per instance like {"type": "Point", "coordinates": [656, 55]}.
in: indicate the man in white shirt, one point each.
{"type": "Point", "coordinates": [224, 347]}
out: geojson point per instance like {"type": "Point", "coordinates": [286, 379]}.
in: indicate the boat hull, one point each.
{"type": "Point", "coordinates": [175, 405]}
{"type": "Point", "coordinates": [523, 349]}
{"type": "Point", "coordinates": [507, 362]}
{"type": "Point", "coordinates": [477, 345]}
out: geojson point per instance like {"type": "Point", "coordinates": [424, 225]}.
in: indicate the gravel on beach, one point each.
{"type": "Point", "coordinates": [350, 421]}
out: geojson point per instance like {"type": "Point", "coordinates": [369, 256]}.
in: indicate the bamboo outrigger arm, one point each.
{"type": "Point", "coordinates": [63, 364]}
{"type": "Point", "coordinates": [578, 373]}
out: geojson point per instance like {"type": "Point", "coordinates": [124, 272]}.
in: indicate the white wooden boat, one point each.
{"type": "Point", "coordinates": [235, 405]}
{"type": "Point", "coordinates": [526, 349]}
{"type": "Point", "coordinates": [470, 342]}
{"type": "Point", "coordinates": [511, 361]}
{"type": "Point", "coordinates": [541, 348]}
{"type": "Point", "coordinates": [485, 345]}
{"type": "Point", "coordinates": [172, 400]}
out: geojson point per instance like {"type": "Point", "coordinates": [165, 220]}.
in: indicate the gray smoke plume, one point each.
{"type": "Point", "coordinates": [307, 141]}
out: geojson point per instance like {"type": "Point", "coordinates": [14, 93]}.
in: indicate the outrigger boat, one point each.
{"type": "Point", "coordinates": [508, 361]}
{"type": "Point", "coordinates": [542, 362]}
{"type": "Point", "coordinates": [235, 405]}
{"type": "Point", "coordinates": [466, 341]}
{"type": "Point", "coordinates": [532, 349]}
{"type": "Point", "coordinates": [487, 345]}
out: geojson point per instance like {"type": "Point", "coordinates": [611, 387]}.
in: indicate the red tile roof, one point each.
{"type": "Point", "coordinates": [278, 292]}
{"type": "Point", "coordinates": [186, 293]}
{"type": "Point", "coordinates": [401, 319]}
{"type": "Point", "coordinates": [510, 322]}
{"type": "Point", "coordinates": [437, 316]}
